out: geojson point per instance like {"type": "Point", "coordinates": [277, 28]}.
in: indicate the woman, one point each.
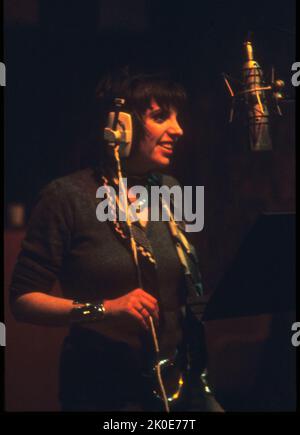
{"type": "Point", "coordinates": [129, 287]}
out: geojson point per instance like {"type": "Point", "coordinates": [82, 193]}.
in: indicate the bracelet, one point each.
{"type": "Point", "coordinates": [87, 312]}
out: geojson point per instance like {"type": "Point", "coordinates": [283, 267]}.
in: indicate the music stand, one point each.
{"type": "Point", "coordinates": [261, 278]}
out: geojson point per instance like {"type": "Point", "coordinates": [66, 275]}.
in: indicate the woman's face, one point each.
{"type": "Point", "coordinates": [162, 131]}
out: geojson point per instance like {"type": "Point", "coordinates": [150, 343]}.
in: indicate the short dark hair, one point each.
{"type": "Point", "coordinates": [164, 91]}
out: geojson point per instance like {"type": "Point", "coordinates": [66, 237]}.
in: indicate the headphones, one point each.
{"type": "Point", "coordinates": [119, 128]}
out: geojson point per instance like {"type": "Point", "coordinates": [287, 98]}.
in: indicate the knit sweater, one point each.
{"type": "Point", "coordinates": [66, 242]}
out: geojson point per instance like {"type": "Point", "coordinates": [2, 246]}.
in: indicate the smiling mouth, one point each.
{"type": "Point", "coordinates": [167, 145]}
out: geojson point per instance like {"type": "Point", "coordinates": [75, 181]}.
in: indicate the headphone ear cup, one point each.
{"type": "Point", "coordinates": [119, 132]}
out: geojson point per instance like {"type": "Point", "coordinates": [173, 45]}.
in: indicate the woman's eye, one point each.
{"type": "Point", "coordinates": [160, 117]}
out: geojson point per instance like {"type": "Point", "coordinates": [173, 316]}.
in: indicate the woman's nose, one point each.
{"type": "Point", "coordinates": [175, 129]}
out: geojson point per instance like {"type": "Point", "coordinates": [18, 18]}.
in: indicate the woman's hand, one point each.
{"type": "Point", "coordinates": [137, 303]}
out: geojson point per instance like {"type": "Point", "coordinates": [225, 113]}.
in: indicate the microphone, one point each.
{"type": "Point", "coordinates": [252, 93]}
{"type": "Point", "coordinates": [255, 99]}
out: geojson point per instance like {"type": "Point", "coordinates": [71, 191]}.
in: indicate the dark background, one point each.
{"type": "Point", "coordinates": [55, 52]}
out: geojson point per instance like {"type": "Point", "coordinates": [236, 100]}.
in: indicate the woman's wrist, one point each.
{"type": "Point", "coordinates": [83, 312]}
